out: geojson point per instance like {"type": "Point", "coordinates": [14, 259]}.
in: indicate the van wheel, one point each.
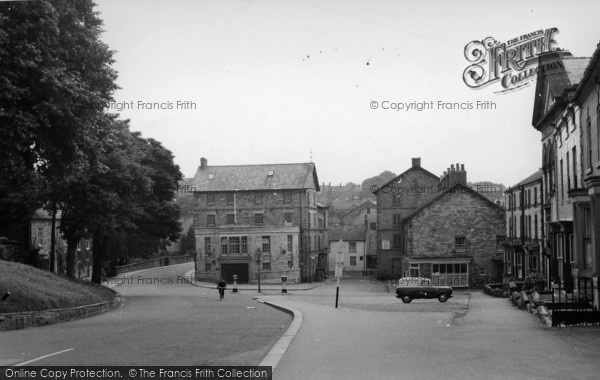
{"type": "Point", "coordinates": [406, 299]}
{"type": "Point", "coordinates": [442, 298]}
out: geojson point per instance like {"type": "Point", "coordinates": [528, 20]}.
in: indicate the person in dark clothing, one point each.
{"type": "Point", "coordinates": [221, 286]}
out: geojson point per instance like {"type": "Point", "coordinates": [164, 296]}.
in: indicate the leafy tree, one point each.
{"type": "Point", "coordinates": [187, 245]}
{"type": "Point", "coordinates": [378, 180]}
{"type": "Point", "coordinates": [55, 76]}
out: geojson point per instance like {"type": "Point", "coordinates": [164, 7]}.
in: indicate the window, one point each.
{"type": "Point", "coordinates": [352, 248]}
{"type": "Point", "coordinates": [568, 172]}
{"type": "Point", "coordinates": [353, 260]}
{"type": "Point", "coordinates": [258, 218]}
{"type": "Point", "coordinates": [207, 267]}
{"type": "Point", "coordinates": [535, 196]}
{"type": "Point", "coordinates": [414, 270]}
{"type": "Point", "coordinates": [587, 238]}
{"type": "Point", "coordinates": [87, 244]}
{"type": "Point", "coordinates": [535, 226]}
{"type": "Point", "coordinates": [562, 181]}
{"type": "Point", "coordinates": [266, 265]}
{"type": "Point", "coordinates": [397, 242]}
{"type": "Point", "coordinates": [79, 245]}
{"type": "Point", "coordinates": [559, 246]}
{"type": "Point", "coordinates": [230, 218]}
{"type": "Point", "coordinates": [508, 262]}
{"type": "Point", "coordinates": [460, 243]}
{"type": "Point", "coordinates": [535, 264]}
{"type": "Point", "coordinates": [575, 167]}
{"type": "Point", "coordinates": [266, 244]}
{"type": "Point", "coordinates": [287, 197]}
{"type": "Point", "coordinates": [290, 265]}
{"type": "Point", "coordinates": [482, 271]}
{"type": "Point", "coordinates": [287, 217]}
{"type": "Point", "coordinates": [234, 244]}
{"type": "Point", "coordinates": [589, 141]}
{"type": "Point", "coordinates": [397, 219]}
{"type": "Point", "coordinates": [223, 245]}
{"type": "Point", "coordinates": [210, 198]}
{"type": "Point", "coordinates": [244, 245]}
{"type": "Point", "coordinates": [40, 237]}
{"type": "Point", "coordinates": [290, 243]}
{"type": "Point", "coordinates": [210, 220]}
{"type": "Point", "coordinates": [258, 198]}
{"type": "Point", "coordinates": [373, 226]}
{"type": "Point", "coordinates": [207, 246]}
{"type": "Point", "coordinates": [519, 264]}
{"type": "Point", "coordinates": [230, 198]}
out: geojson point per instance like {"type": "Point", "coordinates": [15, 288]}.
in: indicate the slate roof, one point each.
{"type": "Point", "coordinates": [453, 189]}
{"type": "Point", "coordinates": [575, 67]}
{"type": "Point", "coordinates": [532, 178]}
{"type": "Point", "coordinates": [419, 167]}
{"type": "Point", "coordinates": [256, 177]}
{"type": "Point", "coordinates": [362, 206]}
{"type": "Point", "coordinates": [347, 233]}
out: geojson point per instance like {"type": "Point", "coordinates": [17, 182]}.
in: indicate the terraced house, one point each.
{"type": "Point", "coordinates": [259, 220]}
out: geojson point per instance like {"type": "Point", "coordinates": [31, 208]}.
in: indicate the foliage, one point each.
{"type": "Point", "coordinates": [534, 281]}
{"type": "Point", "coordinates": [187, 244]}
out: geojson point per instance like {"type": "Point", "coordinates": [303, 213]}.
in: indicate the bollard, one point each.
{"type": "Point", "coordinates": [234, 289]}
{"type": "Point", "coordinates": [283, 281]}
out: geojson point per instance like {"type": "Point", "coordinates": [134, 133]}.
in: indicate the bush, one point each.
{"type": "Point", "coordinates": [534, 282]}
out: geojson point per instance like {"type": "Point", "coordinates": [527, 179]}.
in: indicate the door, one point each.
{"type": "Point", "coordinates": [396, 268]}
{"type": "Point", "coordinates": [240, 269]}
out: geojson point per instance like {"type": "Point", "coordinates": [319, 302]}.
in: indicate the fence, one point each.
{"type": "Point", "coordinates": [574, 305]}
{"type": "Point", "coordinates": [154, 263]}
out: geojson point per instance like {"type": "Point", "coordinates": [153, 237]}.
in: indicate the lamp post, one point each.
{"type": "Point", "coordinates": [258, 254]}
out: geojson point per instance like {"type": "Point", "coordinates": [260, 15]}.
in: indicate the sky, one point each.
{"type": "Point", "coordinates": [281, 81]}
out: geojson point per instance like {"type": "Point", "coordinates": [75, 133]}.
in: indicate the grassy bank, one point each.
{"type": "Point", "coordinates": [34, 289]}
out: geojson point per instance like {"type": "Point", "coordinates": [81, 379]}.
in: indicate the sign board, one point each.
{"type": "Point", "coordinates": [385, 243]}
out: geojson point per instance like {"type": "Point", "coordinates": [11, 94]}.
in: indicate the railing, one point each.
{"type": "Point", "coordinates": [574, 306]}
{"type": "Point", "coordinates": [154, 263]}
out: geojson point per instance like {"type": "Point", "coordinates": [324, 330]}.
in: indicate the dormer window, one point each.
{"type": "Point", "coordinates": [211, 176]}
{"type": "Point", "coordinates": [270, 173]}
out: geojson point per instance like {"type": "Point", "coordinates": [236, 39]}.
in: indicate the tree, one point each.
{"type": "Point", "coordinates": [55, 77]}
{"type": "Point", "coordinates": [187, 245]}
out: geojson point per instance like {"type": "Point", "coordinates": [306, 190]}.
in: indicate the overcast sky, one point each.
{"type": "Point", "coordinates": [274, 80]}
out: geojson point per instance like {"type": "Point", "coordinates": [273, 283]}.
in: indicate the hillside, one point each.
{"type": "Point", "coordinates": [34, 289]}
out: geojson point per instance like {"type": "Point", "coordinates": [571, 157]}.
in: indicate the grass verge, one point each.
{"type": "Point", "coordinates": [33, 289]}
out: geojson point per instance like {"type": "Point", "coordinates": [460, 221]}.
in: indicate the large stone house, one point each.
{"type": "Point", "coordinates": [259, 220]}
{"type": "Point", "coordinates": [559, 119]}
{"type": "Point", "coordinates": [429, 226]}
{"type": "Point", "coordinates": [524, 230]}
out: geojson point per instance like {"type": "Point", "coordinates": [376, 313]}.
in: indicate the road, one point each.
{"type": "Point", "coordinates": [164, 321]}
{"type": "Point", "coordinates": [372, 335]}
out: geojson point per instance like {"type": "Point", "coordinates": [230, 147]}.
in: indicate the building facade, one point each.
{"type": "Point", "coordinates": [351, 243]}
{"type": "Point", "coordinates": [259, 222]}
{"type": "Point", "coordinates": [365, 216]}
{"type": "Point", "coordinates": [557, 117]}
{"type": "Point", "coordinates": [524, 230]}
{"type": "Point", "coordinates": [586, 197]}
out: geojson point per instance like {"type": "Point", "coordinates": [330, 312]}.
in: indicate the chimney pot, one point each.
{"type": "Point", "coordinates": [462, 167]}
{"type": "Point", "coordinates": [452, 167]}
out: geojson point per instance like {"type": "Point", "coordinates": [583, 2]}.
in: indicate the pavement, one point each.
{"type": "Point", "coordinates": [373, 335]}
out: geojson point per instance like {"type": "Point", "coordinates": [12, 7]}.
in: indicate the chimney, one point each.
{"type": "Point", "coordinates": [454, 174]}
{"type": "Point", "coordinates": [203, 163]}
{"type": "Point", "coordinates": [416, 162]}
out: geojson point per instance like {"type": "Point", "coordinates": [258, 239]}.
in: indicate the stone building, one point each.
{"type": "Point", "coordinates": [41, 236]}
{"type": "Point", "coordinates": [558, 119]}
{"type": "Point", "coordinates": [351, 241]}
{"type": "Point", "coordinates": [524, 230]}
{"type": "Point", "coordinates": [259, 220]}
{"type": "Point", "coordinates": [395, 200]}
{"type": "Point", "coordinates": [429, 226]}
{"type": "Point", "coordinates": [365, 216]}
{"type": "Point", "coordinates": [586, 195]}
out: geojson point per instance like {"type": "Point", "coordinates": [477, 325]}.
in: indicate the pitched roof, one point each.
{"type": "Point", "coordinates": [453, 189]}
{"type": "Point", "coordinates": [347, 233]}
{"type": "Point", "coordinates": [362, 206]}
{"type": "Point", "coordinates": [404, 172]}
{"type": "Point", "coordinates": [585, 80]}
{"type": "Point", "coordinates": [256, 177]}
{"type": "Point", "coordinates": [532, 178]}
{"type": "Point", "coordinates": [574, 68]}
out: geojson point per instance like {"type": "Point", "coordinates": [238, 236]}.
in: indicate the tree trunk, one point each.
{"type": "Point", "coordinates": [99, 249]}
{"type": "Point", "coordinates": [71, 256]}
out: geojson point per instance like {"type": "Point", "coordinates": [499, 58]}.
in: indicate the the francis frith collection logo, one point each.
{"type": "Point", "coordinates": [512, 63]}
